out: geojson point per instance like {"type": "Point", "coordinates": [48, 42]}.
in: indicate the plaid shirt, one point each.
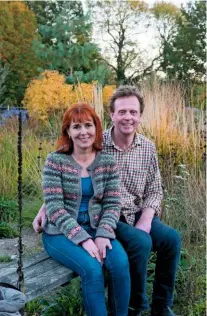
{"type": "Point", "coordinates": [139, 174]}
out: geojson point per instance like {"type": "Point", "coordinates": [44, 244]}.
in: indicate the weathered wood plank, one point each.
{"type": "Point", "coordinates": [12, 267]}
{"type": "Point", "coordinates": [41, 274]}
{"type": "Point", "coordinates": [47, 281]}
{"type": "Point", "coordinates": [30, 271]}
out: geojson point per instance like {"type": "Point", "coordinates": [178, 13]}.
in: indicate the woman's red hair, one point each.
{"type": "Point", "coordinates": [79, 112]}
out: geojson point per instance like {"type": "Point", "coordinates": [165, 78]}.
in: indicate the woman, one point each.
{"type": "Point", "coordinates": [82, 198]}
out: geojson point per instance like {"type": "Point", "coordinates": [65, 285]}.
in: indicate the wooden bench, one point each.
{"type": "Point", "coordinates": [41, 274]}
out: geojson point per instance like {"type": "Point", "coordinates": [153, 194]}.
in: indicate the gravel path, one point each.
{"type": "Point", "coordinates": [31, 243]}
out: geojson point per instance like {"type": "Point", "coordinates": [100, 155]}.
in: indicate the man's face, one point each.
{"type": "Point", "coordinates": [126, 115]}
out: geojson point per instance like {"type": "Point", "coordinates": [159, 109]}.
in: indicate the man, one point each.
{"type": "Point", "coordinates": [140, 229]}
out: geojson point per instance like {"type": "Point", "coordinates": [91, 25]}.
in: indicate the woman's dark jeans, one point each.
{"type": "Point", "coordinates": [138, 244]}
{"type": "Point", "coordinates": [90, 270]}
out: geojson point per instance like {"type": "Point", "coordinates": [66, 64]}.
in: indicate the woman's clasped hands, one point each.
{"type": "Point", "coordinates": [97, 248]}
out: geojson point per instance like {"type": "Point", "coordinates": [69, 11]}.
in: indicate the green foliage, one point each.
{"type": "Point", "coordinates": [198, 96]}
{"type": "Point", "coordinates": [66, 46]}
{"type": "Point", "coordinates": [17, 32]}
{"type": "Point", "coordinates": [5, 259]}
{"type": "Point", "coordinates": [191, 284]}
{"type": "Point", "coordinates": [6, 231]}
{"type": "Point", "coordinates": [151, 273]}
{"type": "Point", "coordinates": [33, 308]}
{"type": "Point", "coordinates": [67, 302]}
{"type": "Point", "coordinates": [45, 11]}
{"type": "Point", "coordinates": [164, 9]}
{"type": "Point", "coordinates": [184, 56]}
{"type": "Point", "coordinates": [8, 209]}
{"type": "Point", "coordinates": [4, 72]}
{"type": "Point", "coordinates": [31, 206]}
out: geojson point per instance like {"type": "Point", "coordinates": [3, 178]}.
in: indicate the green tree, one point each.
{"type": "Point", "coordinates": [4, 72]}
{"type": "Point", "coordinates": [18, 29]}
{"type": "Point", "coordinates": [66, 45]}
{"type": "Point", "coordinates": [184, 56]}
{"type": "Point", "coordinates": [45, 11]}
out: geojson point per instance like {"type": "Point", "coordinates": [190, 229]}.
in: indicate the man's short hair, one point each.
{"type": "Point", "coordinates": [126, 91]}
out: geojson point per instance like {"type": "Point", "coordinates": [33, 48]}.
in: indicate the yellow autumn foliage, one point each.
{"type": "Point", "coordinates": [49, 93]}
{"type": "Point", "coordinates": [82, 92]}
{"type": "Point", "coordinates": [107, 93]}
{"type": "Point", "coordinates": [46, 94]}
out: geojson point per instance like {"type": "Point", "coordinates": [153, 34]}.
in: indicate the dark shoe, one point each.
{"type": "Point", "coordinates": [162, 311]}
{"type": "Point", "coordinates": [132, 312]}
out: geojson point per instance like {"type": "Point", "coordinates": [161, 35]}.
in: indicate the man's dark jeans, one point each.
{"type": "Point", "coordinates": [138, 245]}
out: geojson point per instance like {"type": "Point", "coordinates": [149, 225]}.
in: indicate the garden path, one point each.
{"type": "Point", "coordinates": [32, 243]}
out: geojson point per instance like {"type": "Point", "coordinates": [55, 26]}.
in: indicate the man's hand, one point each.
{"type": "Point", "coordinates": [39, 219]}
{"type": "Point", "coordinates": [91, 248]}
{"type": "Point", "coordinates": [145, 221]}
{"type": "Point", "coordinates": [102, 243]}
{"type": "Point", "coordinates": [144, 224]}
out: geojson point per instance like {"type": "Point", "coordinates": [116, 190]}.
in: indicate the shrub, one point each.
{"type": "Point", "coordinates": [191, 285]}
{"type": "Point", "coordinates": [46, 94]}
{"type": "Point", "coordinates": [67, 302]}
{"type": "Point", "coordinates": [33, 308]}
{"type": "Point", "coordinates": [5, 259]}
{"type": "Point", "coordinates": [8, 209]}
{"type": "Point", "coordinates": [6, 231]}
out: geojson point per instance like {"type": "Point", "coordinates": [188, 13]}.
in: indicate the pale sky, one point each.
{"type": "Point", "coordinates": [150, 2]}
{"type": "Point", "coordinates": [148, 40]}
{"type": "Point", "coordinates": [176, 2]}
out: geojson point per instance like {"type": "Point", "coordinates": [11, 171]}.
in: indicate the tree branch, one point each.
{"type": "Point", "coordinates": [131, 60]}
{"type": "Point", "coordinates": [109, 32]}
{"type": "Point", "coordinates": [146, 69]}
{"type": "Point", "coordinates": [110, 65]}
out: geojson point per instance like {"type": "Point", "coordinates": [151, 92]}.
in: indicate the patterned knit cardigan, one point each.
{"type": "Point", "coordinates": [62, 194]}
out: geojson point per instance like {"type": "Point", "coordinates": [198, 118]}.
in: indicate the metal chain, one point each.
{"type": "Point", "coordinates": [20, 281]}
{"type": "Point", "coordinates": [39, 158]}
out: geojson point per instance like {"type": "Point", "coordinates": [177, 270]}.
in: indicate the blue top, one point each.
{"type": "Point", "coordinates": [87, 193]}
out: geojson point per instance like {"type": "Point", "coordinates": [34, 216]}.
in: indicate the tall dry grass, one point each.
{"type": "Point", "coordinates": [32, 166]}
{"type": "Point", "coordinates": [178, 135]}
{"type": "Point", "coordinates": [184, 208]}
{"type": "Point", "coordinates": [176, 130]}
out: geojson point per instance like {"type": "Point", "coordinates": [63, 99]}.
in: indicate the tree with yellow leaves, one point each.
{"type": "Point", "coordinates": [47, 94]}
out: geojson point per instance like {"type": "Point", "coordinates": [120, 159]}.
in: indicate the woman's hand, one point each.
{"type": "Point", "coordinates": [91, 248]}
{"type": "Point", "coordinates": [101, 244]}
{"type": "Point", "coordinates": [39, 219]}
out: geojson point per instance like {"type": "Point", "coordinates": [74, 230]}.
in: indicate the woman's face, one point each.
{"type": "Point", "coordinates": [82, 134]}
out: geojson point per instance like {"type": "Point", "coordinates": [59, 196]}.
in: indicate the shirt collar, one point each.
{"type": "Point", "coordinates": [109, 141]}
